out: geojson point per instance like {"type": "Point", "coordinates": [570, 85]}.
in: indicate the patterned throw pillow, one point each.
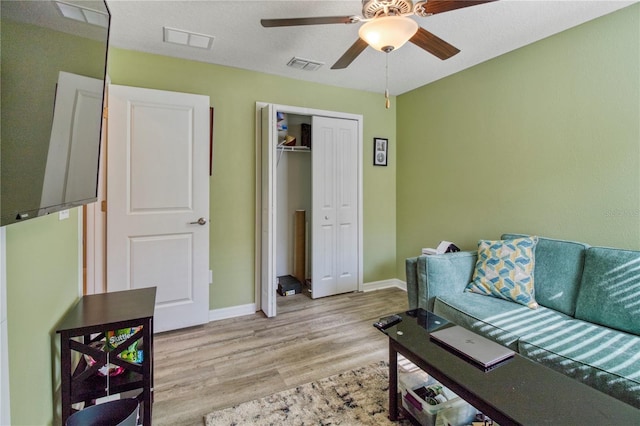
{"type": "Point", "coordinates": [505, 269]}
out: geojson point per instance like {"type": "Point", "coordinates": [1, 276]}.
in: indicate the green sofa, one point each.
{"type": "Point", "coordinates": [588, 322]}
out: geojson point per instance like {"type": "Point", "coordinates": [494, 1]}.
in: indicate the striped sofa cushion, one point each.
{"type": "Point", "coordinates": [600, 357]}
{"type": "Point", "coordinates": [500, 320]}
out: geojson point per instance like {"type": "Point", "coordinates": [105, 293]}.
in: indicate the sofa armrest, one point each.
{"type": "Point", "coordinates": [444, 274]}
{"type": "Point", "coordinates": [411, 268]}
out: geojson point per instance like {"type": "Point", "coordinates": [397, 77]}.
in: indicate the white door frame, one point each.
{"type": "Point", "coordinates": [258, 194]}
{"type": "Point", "coordinates": [96, 214]}
{"type": "Point", "coordinates": [96, 228]}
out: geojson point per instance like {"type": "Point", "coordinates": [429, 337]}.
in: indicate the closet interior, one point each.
{"type": "Point", "coordinates": [294, 202]}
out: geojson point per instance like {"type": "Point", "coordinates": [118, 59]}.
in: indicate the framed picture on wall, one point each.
{"type": "Point", "coordinates": [380, 150]}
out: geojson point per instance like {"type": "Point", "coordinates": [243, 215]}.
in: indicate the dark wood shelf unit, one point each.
{"type": "Point", "coordinates": [88, 321]}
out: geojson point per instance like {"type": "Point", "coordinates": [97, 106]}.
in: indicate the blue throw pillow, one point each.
{"type": "Point", "coordinates": [505, 269]}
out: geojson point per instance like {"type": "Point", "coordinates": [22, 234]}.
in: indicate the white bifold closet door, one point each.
{"type": "Point", "coordinates": [335, 206]}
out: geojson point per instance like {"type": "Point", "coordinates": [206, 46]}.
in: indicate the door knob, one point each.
{"type": "Point", "coordinates": [201, 221]}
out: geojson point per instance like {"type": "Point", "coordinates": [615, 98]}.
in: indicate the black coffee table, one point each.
{"type": "Point", "coordinates": [518, 392]}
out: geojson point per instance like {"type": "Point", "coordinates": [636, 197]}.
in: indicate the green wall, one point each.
{"type": "Point", "coordinates": [544, 140]}
{"type": "Point", "coordinates": [42, 284]}
{"type": "Point", "coordinates": [233, 94]}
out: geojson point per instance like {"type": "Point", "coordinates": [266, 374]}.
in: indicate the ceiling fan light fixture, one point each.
{"type": "Point", "coordinates": [388, 33]}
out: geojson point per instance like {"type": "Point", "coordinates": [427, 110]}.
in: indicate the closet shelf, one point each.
{"type": "Point", "coordinates": [293, 148]}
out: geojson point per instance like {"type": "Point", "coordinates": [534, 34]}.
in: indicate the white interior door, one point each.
{"type": "Point", "coordinates": [335, 206]}
{"type": "Point", "coordinates": [268, 213]}
{"type": "Point", "coordinates": [158, 200]}
{"type": "Point", "coordinates": [71, 161]}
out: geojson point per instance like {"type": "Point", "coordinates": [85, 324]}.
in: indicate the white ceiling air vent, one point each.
{"type": "Point", "coordinates": [304, 64]}
{"type": "Point", "coordinates": [187, 38]}
{"type": "Point", "coordinates": [83, 14]}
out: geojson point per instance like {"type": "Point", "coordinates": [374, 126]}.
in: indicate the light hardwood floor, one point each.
{"type": "Point", "coordinates": [223, 363]}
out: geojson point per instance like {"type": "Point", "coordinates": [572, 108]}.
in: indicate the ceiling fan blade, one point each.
{"type": "Point", "coordinates": [433, 44]}
{"type": "Point", "coordinates": [351, 54]}
{"type": "Point", "coordinates": [439, 6]}
{"type": "Point", "coordinates": [291, 22]}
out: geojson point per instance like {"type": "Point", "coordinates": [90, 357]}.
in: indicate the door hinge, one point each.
{"type": "Point", "coordinates": [105, 112]}
{"type": "Point", "coordinates": [103, 206]}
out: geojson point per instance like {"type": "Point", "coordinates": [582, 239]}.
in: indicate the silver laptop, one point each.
{"type": "Point", "coordinates": [483, 352]}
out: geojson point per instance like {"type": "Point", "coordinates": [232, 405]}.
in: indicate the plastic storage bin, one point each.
{"type": "Point", "coordinates": [457, 414]}
{"type": "Point", "coordinates": [460, 412]}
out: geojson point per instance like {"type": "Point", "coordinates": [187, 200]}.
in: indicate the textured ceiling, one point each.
{"type": "Point", "coordinates": [481, 32]}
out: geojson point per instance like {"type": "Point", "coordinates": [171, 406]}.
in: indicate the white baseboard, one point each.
{"type": "Point", "coordinates": [379, 285]}
{"type": "Point", "coordinates": [251, 308]}
{"type": "Point", "coordinates": [232, 312]}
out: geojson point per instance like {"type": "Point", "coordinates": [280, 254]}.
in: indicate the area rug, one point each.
{"type": "Point", "coordinates": [356, 397]}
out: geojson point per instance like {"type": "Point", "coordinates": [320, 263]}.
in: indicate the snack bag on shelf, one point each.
{"type": "Point", "coordinates": [132, 353]}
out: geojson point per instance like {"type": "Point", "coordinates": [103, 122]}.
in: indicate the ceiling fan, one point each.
{"type": "Point", "coordinates": [387, 26]}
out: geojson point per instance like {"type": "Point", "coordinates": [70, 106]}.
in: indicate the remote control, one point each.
{"type": "Point", "coordinates": [387, 322]}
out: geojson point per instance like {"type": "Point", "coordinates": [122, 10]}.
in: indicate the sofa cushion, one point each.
{"type": "Point", "coordinates": [600, 357]}
{"type": "Point", "coordinates": [497, 319]}
{"type": "Point", "coordinates": [610, 290]}
{"type": "Point", "coordinates": [504, 269]}
{"type": "Point", "coordinates": [558, 272]}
